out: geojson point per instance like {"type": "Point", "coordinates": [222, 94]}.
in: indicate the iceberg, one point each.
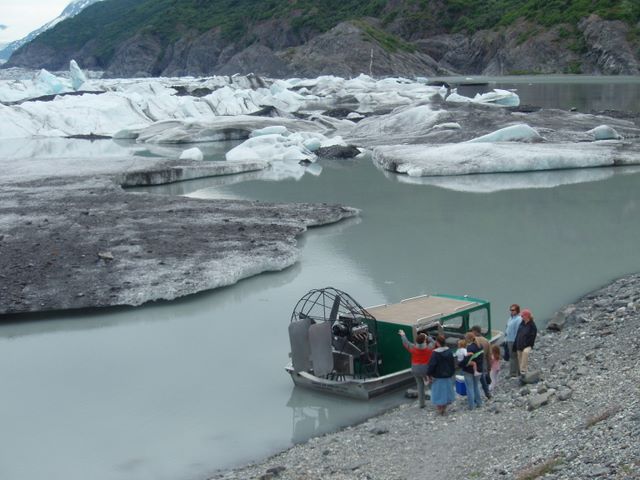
{"type": "Point", "coordinates": [471, 158]}
{"type": "Point", "coordinates": [192, 154]}
{"type": "Point", "coordinates": [279, 129]}
{"type": "Point", "coordinates": [48, 84]}
{"type": "Point", "coordinates": [503, 98]}
{"type": "Point", "coordinates": [276, 143]}
{"type": "Point", "coordinates": [497, 182]}
{"type": "Point", "coordinates": [78, 78]}
{"type": "Point", "coordinates": [215, 129]}
{"type": "Point", "coordinates": [404, 124]}
{"type": "Point", "coordinates": [514, 133]}
{"type": "Point", "coordinates": [274, 147]}
{"type": "Point", "coordinates": [604, 132]}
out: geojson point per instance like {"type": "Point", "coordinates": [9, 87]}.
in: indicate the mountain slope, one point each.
{"type": "Point", "coordinates": [286, 37]}
{"type": "Point", "coordinates": [70, 10]}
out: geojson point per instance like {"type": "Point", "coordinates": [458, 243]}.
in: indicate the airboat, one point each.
{"type": "Point", "coordinates": [342, 348]}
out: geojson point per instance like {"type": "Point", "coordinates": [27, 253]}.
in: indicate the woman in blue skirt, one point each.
{"type": "Point", "coordinates": [442, 369]}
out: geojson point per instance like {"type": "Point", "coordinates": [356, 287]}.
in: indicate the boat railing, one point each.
{"type": "Point", "coordinates": [429, 317]}
{"type": "Point", "coordinates": [465, 306]}
{"type": "Point", "coordinates": [413, 298]}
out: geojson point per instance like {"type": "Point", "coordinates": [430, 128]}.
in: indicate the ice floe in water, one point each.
{"type": "Point", "coordinates": [513, 133]}
{"type": "Point", "coordinates": [604, 132]}
{"type": "Point", "coordinates": [412, 129]}
{"type": "Point", "coordinates": [503, 98]}
{"type": "Point", "coordinates": [192, 154]}
{"type": "Point", "coordinates": [470, 158]}
{"type": "Point", "coordinates": [496, 182]}
{"type": "Point", "coordinates": [281, 145]}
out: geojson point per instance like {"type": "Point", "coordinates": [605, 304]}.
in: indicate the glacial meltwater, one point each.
{"type": "Point", "coordinates": [179, 390]}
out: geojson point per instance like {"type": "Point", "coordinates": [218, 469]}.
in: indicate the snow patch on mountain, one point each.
{"type": "Point", "coordinates": [71, 10]}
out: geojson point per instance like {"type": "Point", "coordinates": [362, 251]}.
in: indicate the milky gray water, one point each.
{"type": "Point", "coordinates": [178, 390]}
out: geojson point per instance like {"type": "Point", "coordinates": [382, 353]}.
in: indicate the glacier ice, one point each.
{"type": "Point", "coordinates": [470, 158]}
{"type": "Point", "coordinates": [48, 83]}
{"type": "Point", "coordinates": [604, 132]}
{"type": "Point", "coordinates": [272, 147]}
{"type": "Point", "coordinates": [513, 133]}
{"type": "Point", "coordinates": [78, 78]}
{"type": "Point", "coordinates": [503, 98]}
{"type": "Point", "coordinates": [290, 113]}
{"type": "Point", "coordinates": [496, 182]}
{"type": "Point", "coordinates": [192, 154]}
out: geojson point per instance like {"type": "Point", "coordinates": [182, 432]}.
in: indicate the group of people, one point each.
{"type": "Point", "coordinates": [432, 361]}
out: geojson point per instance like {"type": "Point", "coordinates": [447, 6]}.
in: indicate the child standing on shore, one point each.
{"type": "Point", "coordinates": [495, 366]}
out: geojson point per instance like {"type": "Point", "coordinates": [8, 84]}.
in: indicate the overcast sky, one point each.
{"type": "Point", "coordinates": [20, 17]}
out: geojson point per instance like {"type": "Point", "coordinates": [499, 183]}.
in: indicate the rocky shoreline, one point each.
{"type": "Point", "coordinates": [580, 420]}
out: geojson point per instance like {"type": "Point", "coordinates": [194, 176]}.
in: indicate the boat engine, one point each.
{"type": "Point", "coordinates": [333, 336]}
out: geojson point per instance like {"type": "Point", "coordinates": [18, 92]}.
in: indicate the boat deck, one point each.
{"type": "Point", "coordinates": [419, 309]}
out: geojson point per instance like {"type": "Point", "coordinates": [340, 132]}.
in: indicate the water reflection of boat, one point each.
{"type": "Point", "coordinates": [339, 347]}
{"type": "Point", "coordinates": [314, 415]}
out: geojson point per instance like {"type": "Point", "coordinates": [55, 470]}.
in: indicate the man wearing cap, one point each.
{"type": "Point", "coordinates": [525, 338]}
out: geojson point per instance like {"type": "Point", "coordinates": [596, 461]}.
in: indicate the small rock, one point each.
{"type": "Point", "coordinates": [338, 151]}
{"type": "Point", "coordinates": [582, 370]}
{"type": "Point", "coordinates": [530, 377]}
{"type": "Point", "coordinates": [598, 471]}
{"type": "Point", "coordinates": [536, 401]}
{"type": "Point", "coordinates": [107, 256]}
{"type": "Point", "coordinates": [565, 394]}
{"type": "Point", "coordinates": [379, 430]}
{"type": "Point", "coordinates": [276, 470]}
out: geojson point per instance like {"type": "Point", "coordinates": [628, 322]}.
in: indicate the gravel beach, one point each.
{"type": "Point", "coordinates": [581, 419]}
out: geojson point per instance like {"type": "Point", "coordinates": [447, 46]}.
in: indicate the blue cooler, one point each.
{"type": "Point", "coordinates": [461, 388]}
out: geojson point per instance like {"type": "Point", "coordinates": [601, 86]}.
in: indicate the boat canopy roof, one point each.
{"type": "Point", "coordinates": [422, 309]}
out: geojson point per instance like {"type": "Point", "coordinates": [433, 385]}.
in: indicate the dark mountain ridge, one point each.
{"type": "Point", "coordinates": [308, 38]}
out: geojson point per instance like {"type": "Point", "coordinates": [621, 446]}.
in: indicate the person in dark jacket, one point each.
{"type": "Point", "coordinates": [442, 369]}
{"type": "Point", "coordinates": [486, 348]}
{"type": "Point", "coordinates": [471, 381]}
{"type": "Point", "coordinates": [525, 339]}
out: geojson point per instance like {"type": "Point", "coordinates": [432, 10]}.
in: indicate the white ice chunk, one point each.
{"type": "Point", "coordinates": [604, 132]}
{"type": "Point", "coordinates": [192, 154]}
{"type": "Point", "coordinates": [314, 169]}
{"type": "Point", "coordinates": [337, 140]}
{"type": "Point", "coordinates": [280, 129]}
{"type": "Point", "coordinates": [501, 97]}
{"type": "Point", "coordinates": [514, 133]}
{"type": "Point", "coordinates": [271, 148]}
{"type": "Point", "coordinates": [469, 158]}
{"type": "Point", "coordinates": [48, 83]}
{"type": "Point", "coordinates": [312, 144]}
{"type": "Point", "coordinates": [78, 78]}
{"type": "Point", "coordinates": [447, 126]}
{"type": "Point", "coordinates": [404, 122]}
{"type": "Point", "coordinates": [233, 101]}
{"type": "Point", "coordinates": [504, 98]}
{"type": "Point", "coordinates": [496, 182]}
